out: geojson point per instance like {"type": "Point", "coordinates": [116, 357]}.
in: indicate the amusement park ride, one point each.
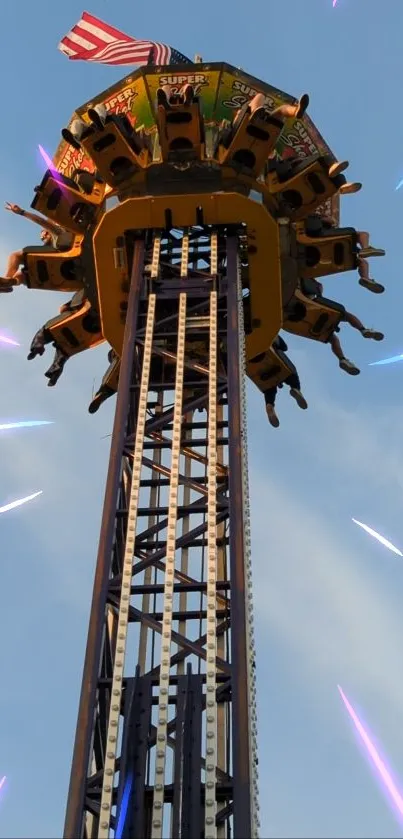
{"type": "Point", "coordinates": [187, 194]}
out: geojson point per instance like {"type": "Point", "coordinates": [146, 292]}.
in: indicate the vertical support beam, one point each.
{"type": "Point", "coordinates": [239, 652]}
{"type": "Point", "coordinates": [183, 597]}
{"type": "Point", "coordinates": [160, 762]}
{"type": "Point", "coordinates": [146, 638]}
{"type": "Point", "coordinates": [181, 702]}
{"type": "Point", "coordinates": [191, 824]}
{"type": "Point", "coordinates": [210, 829]}
{"type": "Point", "coordinates": [124, 600]}
{"type": "Point", "coordinates": [130, 816]}
{"type": "Point", "coordinates": [73, 827]}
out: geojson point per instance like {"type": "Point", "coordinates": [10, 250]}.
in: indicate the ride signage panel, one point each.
{"type": "Point", "coordinates": [222, 90]}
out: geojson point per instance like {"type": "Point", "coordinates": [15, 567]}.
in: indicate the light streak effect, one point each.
{"type": "Point", "coordinates": [7, 426]}
{"type": "Point", "coordinates": [379, 765]}
{"type": "Point", "coordinates": [2, 783]}
{"type": "Point", "coordinates": [381, 539]}
{"type": "Point", "coordinates": [19, 502]}
{"type": "Point", "coordinates": [49, 163]}
{"type": "Point", "coordinates": [46, 158]}
{"type": "Point", "coordinates": [392, 360]}
{"type": "Point", "coordinates": [334, 3]}
{"type": "Point", "coordinates": [400, 184]}
{"type": "Point", "coordinates": [5, 340]}
{"type": "Point", "coordinates": [123, 807]}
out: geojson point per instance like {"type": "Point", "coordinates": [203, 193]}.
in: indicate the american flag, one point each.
{"type": "Point", "coordinates": [93, 40]}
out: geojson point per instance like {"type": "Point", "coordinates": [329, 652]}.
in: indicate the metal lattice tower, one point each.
{"type": "Point", "coordinates": [186, 198]}
{"type": "Point", "coordinates": [193, 196]}
{"type": "Point", "coordinates": [166, 735]}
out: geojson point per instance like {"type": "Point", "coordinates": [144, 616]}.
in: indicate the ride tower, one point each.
{"type": "Point", "coordinates": [172, 586]}
{"type": "Point", "coordinates": [186, 192]}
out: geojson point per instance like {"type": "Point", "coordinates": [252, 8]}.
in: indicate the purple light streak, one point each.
{"type": "Point", "coordinates": [49, 163]}
{"type": "Point", "coordinates": [2, 782]}
{"type": "Point", "coordinates": [379, 765]}
{"type": "Point", "coordinates": [46, 158]}
{"type": "Point", "coordinates": [5, 340]}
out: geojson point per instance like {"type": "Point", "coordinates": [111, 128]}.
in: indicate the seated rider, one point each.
{"type": "Point", "coordinates": [166, 98]}
{"type": "Point", "coordinates": [285, 168]}
{"type": "Point", "coordinates": [258, 104]}
{"type": "Point", "coordinates": [53, 238]}
{"type": "Point", "coordinates": [104, 391]}
{"type": "Point", "coordinates": [293, 383]}
{"type": "Point", "coordinates": [44, 336]}
{"type": "Point", "coordinates": [366, 250]}
{"type": "Point", "coordinates": [314, 290]}
{"type": "Point", "coordinates": [285, 111]}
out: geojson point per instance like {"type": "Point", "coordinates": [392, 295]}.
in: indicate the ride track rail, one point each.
{"type": "Point", "coordinates": [166, 735]}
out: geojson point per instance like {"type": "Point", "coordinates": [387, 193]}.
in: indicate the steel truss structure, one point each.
{"type": "Point", "coordinates": [166, 734]}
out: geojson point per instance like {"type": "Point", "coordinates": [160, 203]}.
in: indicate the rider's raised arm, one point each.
{"type": "Point", "coordinates": [46, 224]}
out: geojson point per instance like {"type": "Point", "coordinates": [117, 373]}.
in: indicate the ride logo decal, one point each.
{"type": "Point", "coordinates": [130, 99]}
{"type": "Point", "coordinates": [234, 91]}
{"type": "Point", "coordinates": [205, 85]}
{"type": "Point", "coordinates": [301, 138]}
{"type": "Point", "coordinates": [68, 159]}
{"type": "Point", "coordinates": [221, 92]}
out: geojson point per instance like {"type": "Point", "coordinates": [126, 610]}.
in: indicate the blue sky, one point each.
{"type": "Point", "coordinates": [328, 599]}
